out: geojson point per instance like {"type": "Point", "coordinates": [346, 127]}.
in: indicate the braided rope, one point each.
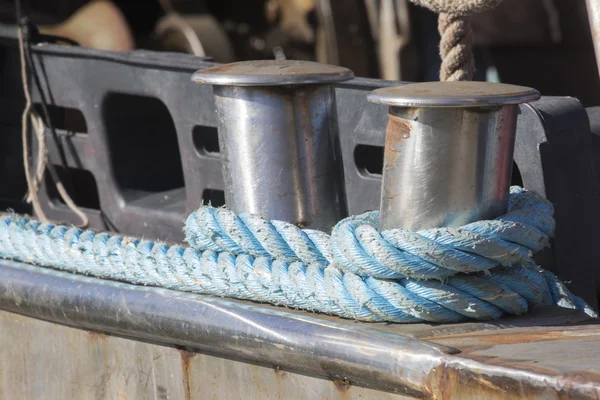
{"type": "Point", "coordinates": [356, 272]}
{"type": "Point", "coordinates": [356, 246]}
{"type": "Point", "coordinates": [454, 25]}
{"type": "Point", "coordinates": [456, 51]}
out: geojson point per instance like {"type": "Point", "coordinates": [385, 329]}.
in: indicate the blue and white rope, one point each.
{"type": "Point", "coordinates": [479, 271]}
{"type": "Point", "coordinates": [356, 246]}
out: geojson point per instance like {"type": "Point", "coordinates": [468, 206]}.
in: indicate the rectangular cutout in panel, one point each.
{"type": "Point", "coordinates": [369, 159]}
{"type": "Point", "coordinates": [63, 118]}
{"type": "Point", "coordinates": [80, 185]}
{"type": "Point", "coordinates": [206, 140]}
{"type": "Point", "coordinates": [143, 145]}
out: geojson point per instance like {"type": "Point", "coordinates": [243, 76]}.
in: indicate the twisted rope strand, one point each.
{"type": "Point", "coordinates": [456, 47]}
{"type": "Point", "coordinates": [454, 25]}
{"type": "Point", "coordinates": [357, 247]}
{"type": "Point", "coordinates": [354, 273]}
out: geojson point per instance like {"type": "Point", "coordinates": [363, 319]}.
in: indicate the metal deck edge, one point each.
{"type": "Point", "coordinates": [342, 352]}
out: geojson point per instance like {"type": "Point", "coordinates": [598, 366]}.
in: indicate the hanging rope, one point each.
{"type": "Point", "coordinates": [479, 271]}
{"type": "Point", "coordinates": [34, 182]}
{"type": "Point", "coordinates": [456, 48]}
{"type": "Point", "coordinates": [454, 25]}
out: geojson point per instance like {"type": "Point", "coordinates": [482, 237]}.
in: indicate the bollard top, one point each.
{"type": "Point", "coordinates": [272, 73]}
{"type": "Point", "coordinates": [458, 94]}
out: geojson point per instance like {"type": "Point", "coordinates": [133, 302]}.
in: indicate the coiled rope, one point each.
{"type": "Point", "coordinates": [479, 271]}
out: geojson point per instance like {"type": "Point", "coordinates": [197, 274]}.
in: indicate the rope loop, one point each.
{"type": "Point", "coordinates": [357, 247]}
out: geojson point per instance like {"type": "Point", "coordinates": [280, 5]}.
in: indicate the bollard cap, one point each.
{"type": "Point", "coordinates": [457, 94]}
{"type": "Point", "coordinates": [272, 73]}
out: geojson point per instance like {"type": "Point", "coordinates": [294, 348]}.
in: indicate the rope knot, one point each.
{"type": "Point", "coordinates": [438, 253]}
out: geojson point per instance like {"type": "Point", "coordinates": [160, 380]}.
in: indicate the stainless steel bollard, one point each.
{"type": "Point", "coordinates": [278, 139]}
{"type": "Point", "coordinates": [448, 152]}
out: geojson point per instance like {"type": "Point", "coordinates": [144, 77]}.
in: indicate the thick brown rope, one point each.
{"type": "Point", "coordinates": [454, 25]}
{"type": "Point", "coordinates": [456, 48]}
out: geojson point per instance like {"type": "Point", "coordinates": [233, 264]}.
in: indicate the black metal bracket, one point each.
{"type": "Point", "coordinates": [141, 138]}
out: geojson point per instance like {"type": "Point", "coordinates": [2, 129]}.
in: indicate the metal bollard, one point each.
{"type": "Point", "coordinates": [448, 152]}
{"type": "Point", "coordinates": [278, 139]}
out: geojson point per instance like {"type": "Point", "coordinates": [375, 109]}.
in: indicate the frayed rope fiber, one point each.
{"type": "Point", "coordinates": [479, 271]}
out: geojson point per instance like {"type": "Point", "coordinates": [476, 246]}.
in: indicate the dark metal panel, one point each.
{"type": "Point", "coordinates": [554, 155]}
{"type": "Point", "coordinates": [86, 80]}
{"type": "Point", "coordinates": [553, 150]}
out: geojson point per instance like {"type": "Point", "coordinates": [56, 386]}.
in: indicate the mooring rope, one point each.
{"type": "Point", "coordinates": [479, 271]}
{"type": "Point", "coordinates": [456, 48]}
{"type": "Point", "coordinates": [456, 36]}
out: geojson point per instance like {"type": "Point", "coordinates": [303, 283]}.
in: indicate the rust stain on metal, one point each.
{"type": "Point", "coordinates": [468, 352]}
{"type": "Point", "coordinates": [397, 130]}
{"type": "Point", "coordinates": [97, 336]}
{"type": "Point", "coordinates": [342, 385]}
{"type": "Point", "coordinates": [280, 382]}
{"type": "Point", "coordinates": [520, 336]}
{"type": "Point", "coordinates": [98, 348]}
{"type": "Point", "coordinates": [506, 378]}
{"type": "Point", "coordinates": [186, 356]}
{"type": "Point", "coordinates": [447, 382]}
{"type": "Point", "coordinates": [573, 381]}
{"type": "Point", "coordinates": [527, 337]}
{"type": "Point", "coordinates": [279, 372]}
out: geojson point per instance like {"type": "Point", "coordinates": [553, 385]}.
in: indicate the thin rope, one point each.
{"type": "Point", "coordinates": [31, 186]}
{"type": "Point", "coordinates": [42, 154]}
{"type": "Point", "coordinates": [357, 273]}
{"type": "Point", "coordinates": [33, 183]}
